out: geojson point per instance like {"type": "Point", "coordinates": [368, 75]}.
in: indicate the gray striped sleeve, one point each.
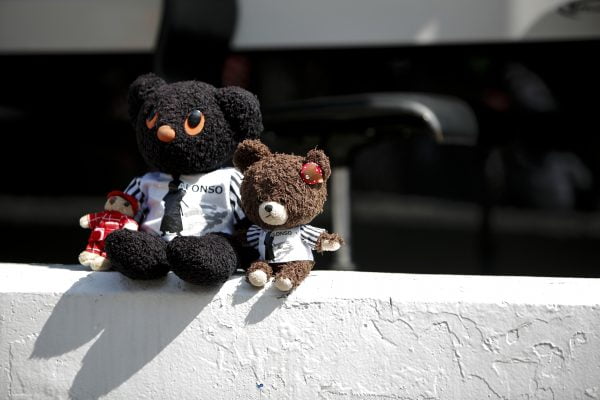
{"type": "Point", "coordinates": [253, 236]}
{"type": "Point", "coordinates": [234, 196]}
{"type": "Point", "coordinates": [310, 235]}
{"type": "Point", "coordinates": [135, 189]}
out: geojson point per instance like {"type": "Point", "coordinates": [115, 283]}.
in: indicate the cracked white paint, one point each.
{"type": "Point", "coordinates": [342, 335]}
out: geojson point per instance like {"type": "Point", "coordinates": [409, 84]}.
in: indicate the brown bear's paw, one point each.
{"type": "Point", "coordinates": [259, 273]}
{"type": "Point", "coordinates": [329, 242]}
{"type": "Point", "coordinates": [292, 274]}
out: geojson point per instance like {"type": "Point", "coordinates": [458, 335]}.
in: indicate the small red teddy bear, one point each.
{"type": "Point", "coordinates": [120, 208]}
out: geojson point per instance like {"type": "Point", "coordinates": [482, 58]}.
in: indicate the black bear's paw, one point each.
{"type": "Point", "coordinates": [137, 255]}
{"type": "Point", "coordinates": [206, 260]}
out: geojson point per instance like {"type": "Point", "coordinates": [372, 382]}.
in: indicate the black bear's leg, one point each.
{"type": "Point", "coordinates": [137, 255]}
{"type": "Point", "coordinates": [204, 260]}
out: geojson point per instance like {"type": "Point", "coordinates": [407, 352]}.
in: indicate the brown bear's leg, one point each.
{"type": "Point", "coordinates": [292, 274]}
{"type": "Point", "coordinates": [259, 273]}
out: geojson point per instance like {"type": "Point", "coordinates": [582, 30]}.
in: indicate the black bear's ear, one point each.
{"type": "Point", "coordinates": [319, 157]}
{"type": "Point", "coordinates": [248, 152]}
{"type": "Point", "coordinates": [242, 111]}
{"type": "Point", "coordinates": [139, 91]}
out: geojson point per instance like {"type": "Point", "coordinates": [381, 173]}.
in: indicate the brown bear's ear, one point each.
{"type": "Point", "coordinates": [139, 91]}
{"type": "Point", "coordinates": [248, 152]}
{"type": "Point", "coordinates": [242, 111]}
{"type": "Point", "coordinates": [319, 157]}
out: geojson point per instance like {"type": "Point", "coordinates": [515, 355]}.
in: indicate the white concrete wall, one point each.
{"type": "Point", "coordinates": [66, 332]}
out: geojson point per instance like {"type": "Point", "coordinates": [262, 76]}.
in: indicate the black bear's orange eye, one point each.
{"type": "Point", "coordinates": [151, 119]}
{"type": "Point", "coordinates": [194, 123]}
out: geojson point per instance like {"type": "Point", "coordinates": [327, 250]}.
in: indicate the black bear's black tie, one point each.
{"type": "Point", "coordinates": [269, 255]}
{"type": "Point", "coordinates": [171, 221]}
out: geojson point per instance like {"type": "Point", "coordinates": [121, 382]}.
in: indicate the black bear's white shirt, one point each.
{"type": "Point", "coordinates": [292, 244]}
{"type": "Point", "coordinates": [211, 202]}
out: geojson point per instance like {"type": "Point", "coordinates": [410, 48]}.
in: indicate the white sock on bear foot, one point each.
{"type": "Point", "coordinates": [283, 284]}
{"type": "Point", "coordinates": [100, 264]}
{"type": "Point", "coordinates": [86, 258]}
{"type": "Point", "coordinates": [258, 278]}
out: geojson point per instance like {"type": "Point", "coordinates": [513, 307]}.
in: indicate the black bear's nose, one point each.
{"type": "Point", "coordinates": [165, 134]}
{"type": "Point", "coordinates": [268, 208]}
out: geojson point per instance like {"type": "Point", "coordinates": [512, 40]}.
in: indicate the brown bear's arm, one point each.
{"type": "Point", "coordinates": [328, 237]}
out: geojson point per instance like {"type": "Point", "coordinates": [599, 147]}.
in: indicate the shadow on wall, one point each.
{"type": "Point", "coordinates": [126, 339]}
{"type": "Point", "coordinates": [269, 300]}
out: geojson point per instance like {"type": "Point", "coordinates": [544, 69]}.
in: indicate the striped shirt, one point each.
{"type": "Point", "coordinates": [211, 202]}
{"type": "Point", "coordinates": [293, 244]}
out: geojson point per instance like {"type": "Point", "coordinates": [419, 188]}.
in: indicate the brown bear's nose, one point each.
{"type": "Point", "coordinates": [165, 133]}
{"type": "Point", "coordinates": [268, 208]}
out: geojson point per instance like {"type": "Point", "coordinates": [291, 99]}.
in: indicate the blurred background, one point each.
{"type": "Point", "coordinates": [482, 157]}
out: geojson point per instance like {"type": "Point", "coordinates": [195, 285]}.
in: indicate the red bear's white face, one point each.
{"type": "Point", "coordinates": [119, 204]}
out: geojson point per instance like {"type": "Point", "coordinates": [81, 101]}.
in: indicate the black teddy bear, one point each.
{"type": "Point", "coordinates": [189, 207]}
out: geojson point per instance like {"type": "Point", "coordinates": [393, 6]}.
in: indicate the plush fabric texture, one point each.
{"type": "Point", "coordinates": [295, 271]}
{"type": "Point", "coordinates": [207, 260]}
{"type": "Point", "coordinates": [332, 237]}
{"type": "Point", "coordinates": [260, 266]}
{"type": "Point", "coordinates": [248, 153]}
{"type": "Point", "coordinates": [275, 177]}
{"type": "Point", "coordinates": [229, 115]}
{"type": "Point", "coordinates": [137, 255]}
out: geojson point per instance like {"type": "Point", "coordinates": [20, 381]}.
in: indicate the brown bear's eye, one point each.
{"type": "Point", "coordinates": [194, 123]}
{"type": "Point", "coordinates": [151, 119]}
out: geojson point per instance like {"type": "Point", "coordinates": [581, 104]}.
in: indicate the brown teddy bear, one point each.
{"type": "Point", "coordinates": [281, 194]}
{"type": "Point", "coordinates": [118, 214]}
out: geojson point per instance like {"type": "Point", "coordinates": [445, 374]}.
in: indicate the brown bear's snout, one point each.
{"type": "Point", "coordinates": [165, 134]}
{"type": "Point", "coordinates": [272, 213]}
